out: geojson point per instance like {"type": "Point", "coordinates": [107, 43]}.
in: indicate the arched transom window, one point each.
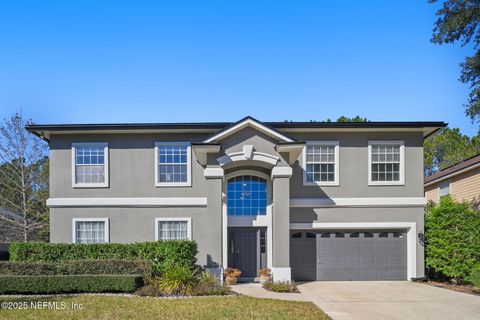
{"type": "Point", "coordinates": [247, 196]}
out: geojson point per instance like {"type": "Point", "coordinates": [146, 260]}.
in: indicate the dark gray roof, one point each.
{"type": "Point", "coordinates": [465, 164]}
{"type": "Point", "coordinates": [39, 129]}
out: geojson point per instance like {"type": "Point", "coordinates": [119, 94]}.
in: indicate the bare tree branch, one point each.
{"type": "Point", "coordinates": [23, 186]}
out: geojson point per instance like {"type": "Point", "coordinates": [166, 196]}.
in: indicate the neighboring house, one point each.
{"type": "Point", "coordinates": [9, 232]}
{"type": "Point", "coordinates": [460, 181]}
{"type": "Point", "coordinates": [310, 200]}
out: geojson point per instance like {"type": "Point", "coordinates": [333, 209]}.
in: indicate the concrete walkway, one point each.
{"type": "Point", "coordinates": [255, 290]}
{"type": "Point", "coordinates": [390, 300]}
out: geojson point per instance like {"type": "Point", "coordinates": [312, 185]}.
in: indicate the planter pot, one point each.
{"type": "Point", "coordinates": [230, 280]}
{"type": "Point", "coordinates": [263, 280]}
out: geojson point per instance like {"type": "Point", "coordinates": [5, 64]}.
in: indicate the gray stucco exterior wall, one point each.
{"type": "Point", "coordinates": [131, 175]}
{"type": "Point", "coordinates": [138, 225]}
{"type": "Point", "coordinates": [132, 167]}
{"type": "Point", "coordinates": [353, 172]}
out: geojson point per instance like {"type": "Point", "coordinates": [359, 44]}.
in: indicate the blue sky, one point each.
{"type": "Point", "coordinates": [170, 61]}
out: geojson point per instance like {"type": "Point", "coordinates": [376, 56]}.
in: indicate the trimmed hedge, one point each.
{"type": "Point", "coordinates": [452, 232]}
{"type": "Point", "coordinates": [163, 254]}
{"type": "Point", "coordinates": [70, 283]}
{"type": "Point", "coordinates": [75, 267]}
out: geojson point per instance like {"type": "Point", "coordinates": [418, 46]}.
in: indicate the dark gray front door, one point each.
{"type": "Point", "coordinates": [362, 255]}
{"type": "Point", "coordinates": [243, 251]}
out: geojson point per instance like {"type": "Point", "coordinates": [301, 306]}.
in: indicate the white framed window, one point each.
{"type": "Point", "coordinates": [173, 228]}
{"type": "Point", "coordinates": [90, 230]}
{"type": "Point", "coordinates": [386, 162]}
{"type": "Point", "coordinates": [444, 189]}
{"type": "Point", "coordinates": [90, 165]}
{"type": "Point", "coordinates": [321, 163]}
{"type": "Point", "coordinates": [173, 164]}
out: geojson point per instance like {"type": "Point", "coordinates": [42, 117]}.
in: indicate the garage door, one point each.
{"type": "Point", "coordinates": [303, 255]}
{"type": "Point", "coordinates": [352, 255]}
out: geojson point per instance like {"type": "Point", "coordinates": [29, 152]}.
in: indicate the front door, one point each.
{"type": "Point", "coordinates": [243, 250]}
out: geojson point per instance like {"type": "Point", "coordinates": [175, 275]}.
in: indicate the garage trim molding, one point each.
{"type": "Point", "coordinates": [411, 235]}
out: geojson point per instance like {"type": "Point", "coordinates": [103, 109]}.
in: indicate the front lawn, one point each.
{"type": "Point", "coordinates": [116, 307]}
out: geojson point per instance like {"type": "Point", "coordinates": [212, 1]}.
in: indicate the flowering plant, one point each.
{"type": "Point", "coordinates": [265, 272]}
{"type": "Point", "coordinates": [232, 272]}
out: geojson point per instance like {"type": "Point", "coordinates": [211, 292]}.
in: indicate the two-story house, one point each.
{"type": "Point", "coordinates": [310, 200]}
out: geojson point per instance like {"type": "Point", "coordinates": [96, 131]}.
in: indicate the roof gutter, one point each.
{"type": "Point", "coordinates": [36, 133]}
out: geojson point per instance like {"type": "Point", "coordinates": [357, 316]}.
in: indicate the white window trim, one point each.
{"type": "Point", "coordinates": [401, 182]}
{"type": "Point", "coordinates": [449, 186]}
{"type": "Point", "coordinates": [106, 165]}
{"type": "Point", "coordinates": [188, 183]}
{"type": "Point", "coordinates": [74, 227]}
{"type": "Point", "coordinates": [336, 181]}
{"type": "Point", "coordinates": [189, 225]}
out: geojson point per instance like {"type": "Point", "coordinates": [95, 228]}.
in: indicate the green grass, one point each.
{"type": "Point", "coordinates": [115, 307]}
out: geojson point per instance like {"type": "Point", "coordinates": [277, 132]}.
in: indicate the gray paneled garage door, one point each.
{"type": "Point", "coordinates": [303, 256]}
{"type": "Point", "coordinates": [352, 255]}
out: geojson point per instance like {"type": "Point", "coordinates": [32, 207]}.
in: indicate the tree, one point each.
{"type": "Point", "coordinates": [23, 179]}
{"type": "Point", "coordinates": [448, 147]}
{"type": "Point", "coordinates": [347, 119]}
{"type": "Point", "coordinates": [458, 21]}
{"type": "Point", "coordinates": [356, 119]}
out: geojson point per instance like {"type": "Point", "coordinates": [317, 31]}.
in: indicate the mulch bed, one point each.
{"type": "Point", "coordinates": [465, 288]}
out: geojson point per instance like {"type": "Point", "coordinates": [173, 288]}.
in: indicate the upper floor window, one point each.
{"type": "Point", "coordinates": [247, 196]}
{"type": "Point", "coordinates": [320, 164]}
{"type": "Point", "coordinates": [173, 228]}
{"type": "Point", "coordinates": [444, 189]}
{"type": "Point", "coordinates": [172, 164]}
{"type": "Point", "coordinates": [90, 164]}
{"type": "Point", "coordinates": [90, 230]}
{"type": "Point", "coordinates": [386, 162]}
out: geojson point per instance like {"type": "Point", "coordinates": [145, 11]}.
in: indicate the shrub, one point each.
{"type": "Point", "coordinates": [178, 280]}
{"type": "Point", "coordinates": [207, 278]}
{"type": "Point", "coordinates": [203, 290]}
{"type": "Point", "coordinates": [474, 277]}
{"type": "Point", "coordinates": [208, 285]}
{"type": "Point", "coordinates": [75, 267]}
{"type": "Point", "coordinates": [280, 286]}
{"type": "Point", "coordinates": [452, 241]}
{"type": "Point", "coordinates": [163, 254]}
{"type": "Point", "coordinates": [70, 283]}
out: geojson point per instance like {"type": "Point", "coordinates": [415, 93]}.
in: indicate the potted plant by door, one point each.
{"type": "Point", "coordinates": [265, 275]}
{"type": "Point", "coordinates": [231, 276]}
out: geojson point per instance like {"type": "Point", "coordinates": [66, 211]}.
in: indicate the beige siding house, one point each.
{"type": "Point", "coordinates": [461, 182]}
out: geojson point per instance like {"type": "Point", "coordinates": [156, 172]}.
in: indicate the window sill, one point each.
{"type": "Point", "coordinates": [90, 185]}
{"type": "Point", "coordinates": [387, 183]}
{"type": "Point", "coordinates": [173, 184]}
{"type": "Point", "coordinates": [321, 184]}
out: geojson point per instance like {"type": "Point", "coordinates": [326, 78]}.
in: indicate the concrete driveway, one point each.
{"type": "Point", "coordinates": [390, 300]}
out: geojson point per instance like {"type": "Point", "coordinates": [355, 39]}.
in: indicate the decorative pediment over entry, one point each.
{"type": "Point", "coordinates": [249, 122]}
